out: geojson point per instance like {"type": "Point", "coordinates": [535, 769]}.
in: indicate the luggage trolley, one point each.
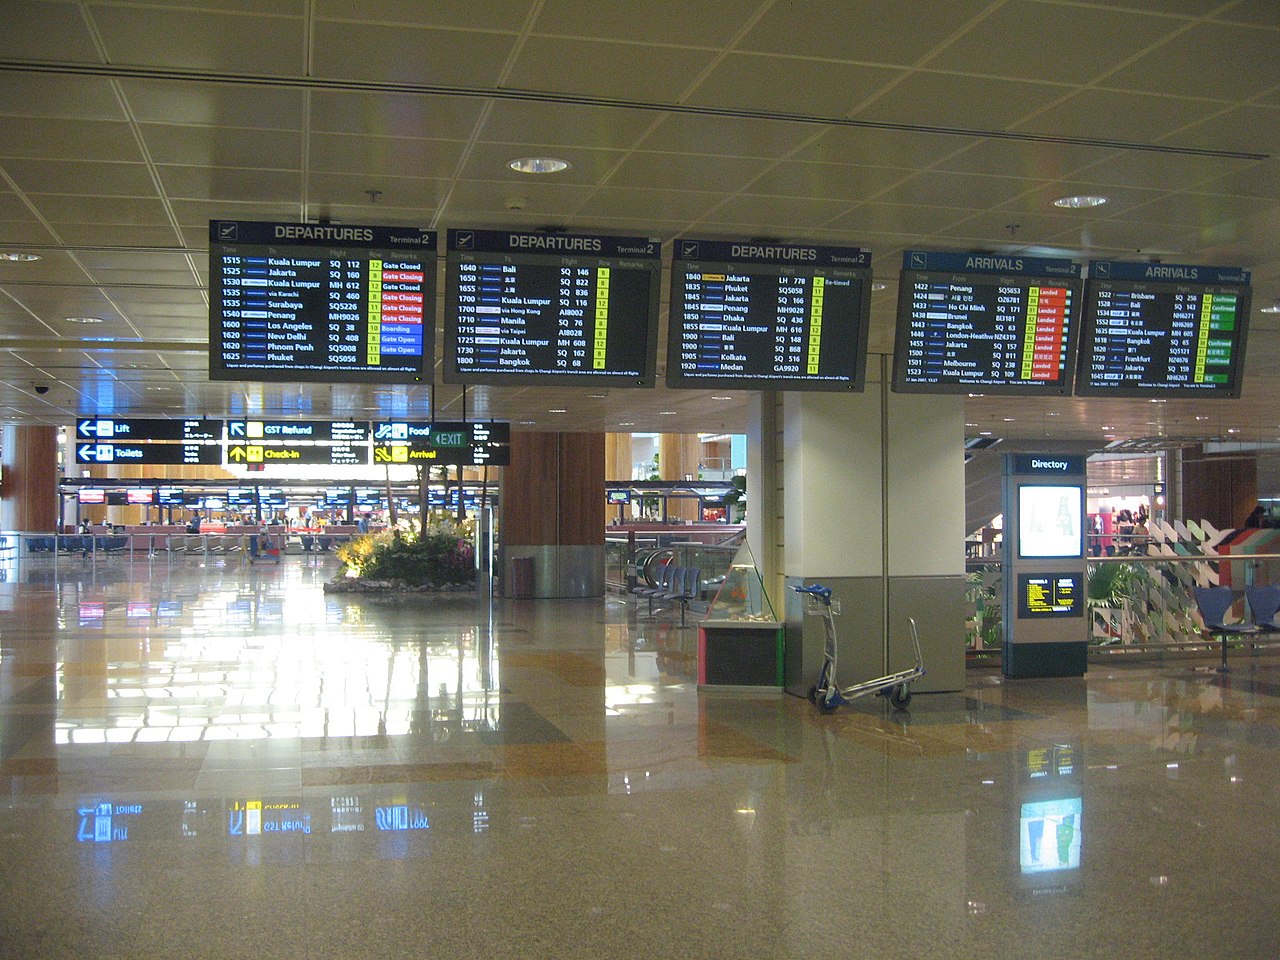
{"type": "Point", "coordinates": [826, 693]}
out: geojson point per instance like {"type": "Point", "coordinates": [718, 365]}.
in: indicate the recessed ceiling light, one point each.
{"type": "Point", "coordinates": [527, 423]}
{"type": "Point", "coordinates": [83, 319]}
{"type": "Point", "coordinates": [596, 396]}
{"type": "Point", "coordinates": [1008, 419]}
{"type": "Point", "coordinates": [720, 397]}
{"type": "Point", "coordinates": [627, 423]}
{"type": "Point", "coordinates": [1274, 308]}
{"type": "Point", "coordinates": [558, 410]}
{"type": "Point", "coordinates": [984, 433]}
{"type": "Point", "coordinates": [19, 257]}
{"type": "Point", "coordinates": [538, 165]}
{"type": "Point", "coordinates": [1233, 429]}
{"type": "Point", "coordinates": [666, 413]}
{"type": "Point", "coordinates": [1053, 414]}
{"type": "Point", "coordinates": [1202, 418]}
{"type": "Point", "coordinates": [1079, 202]}
{"type": "Point", "coordinates": [877, 285]}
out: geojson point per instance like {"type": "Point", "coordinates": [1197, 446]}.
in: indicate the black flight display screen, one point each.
{"type": "Point", "coordinates": [1163, 330]}
{"type": "Point", "coordinates": [985, 323]}
{"type": "Point", "coordinates": [753, 315]}
{"type": "Point", "coordinates": [551, 308]}
{"type": "Point", "coordinates": [320, 302]}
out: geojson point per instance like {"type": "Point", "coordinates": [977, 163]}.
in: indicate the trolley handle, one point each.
{"type": "Point", "coordinates": [816, 590]}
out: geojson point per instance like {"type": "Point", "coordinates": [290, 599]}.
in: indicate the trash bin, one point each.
{"type": "Point", "coordinates": [521, 578]}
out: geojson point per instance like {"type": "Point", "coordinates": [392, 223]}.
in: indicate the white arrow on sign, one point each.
{"type": "Point", "coordinates": [89, 428]}
{"type": "Point", "coordinates": [236, 428]}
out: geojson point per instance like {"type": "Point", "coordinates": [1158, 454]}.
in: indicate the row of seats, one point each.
{"type": "Point", "coordinates": [1215, 602]}
{"type": "Point", "coordinates": [677, 584]}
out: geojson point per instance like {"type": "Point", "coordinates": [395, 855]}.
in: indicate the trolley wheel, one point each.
{"type": "Point", "coordinates": [900, 696]}
{"type": "Point", "coordinates": [824, 705]}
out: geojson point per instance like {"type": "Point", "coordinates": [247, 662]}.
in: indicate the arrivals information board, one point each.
{"type": "Point", "coordinates": [1163, 330]}
{"type": "Point", "coordinates": [979, 323]}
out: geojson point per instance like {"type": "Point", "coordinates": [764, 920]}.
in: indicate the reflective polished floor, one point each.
{"type": "Point", "coordinates": [209, 760]}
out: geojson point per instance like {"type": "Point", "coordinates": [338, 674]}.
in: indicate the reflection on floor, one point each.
{"type": "Point", "coordinates": [221, 761]}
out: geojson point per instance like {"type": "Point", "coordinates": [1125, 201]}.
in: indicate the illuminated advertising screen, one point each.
{"type": "Point", "coordinates": [1050, 521]}
{"type": "Point", "coordinates": [1050, 835]}
{"type": "Point", "coordinates": [91, 495]}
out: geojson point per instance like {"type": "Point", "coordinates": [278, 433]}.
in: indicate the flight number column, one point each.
{"type": "Point", "coordinates": [576, 300]}
{"type": "Point", "coordinates": [345, 289]}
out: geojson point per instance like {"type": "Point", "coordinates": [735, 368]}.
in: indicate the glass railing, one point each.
{"type": "Point", "coordinates": [102, 544]}
{"type": "Point", "coordinates": [1135, 604]}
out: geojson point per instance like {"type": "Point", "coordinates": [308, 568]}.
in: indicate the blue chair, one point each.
{"type": "Point", "coordinates": [666, 578]}
{"type": "Point", "coordinates": [684, 589]}
{"type": "Point", "coordinates": [1213, 603]}
{"type": "Point", "coordinates": [1264, 604]}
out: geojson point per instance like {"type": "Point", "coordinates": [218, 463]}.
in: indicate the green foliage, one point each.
{"type": "Point", "coordinates": [437, 558]}
{"type": "Point", "coordinates": [1111, 584]}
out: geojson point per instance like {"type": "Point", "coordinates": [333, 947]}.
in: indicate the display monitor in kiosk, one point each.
{"type": "Point", "coordinates": [551, 309]}
{"type": "Point", "coordinates": [331, 303]}
{"type": "Point", "coordinates": [751, 315]}
{"type": "Point", "coordinates": [985, 323]}
{"type": "Point", "coordinates": [1156, 330]}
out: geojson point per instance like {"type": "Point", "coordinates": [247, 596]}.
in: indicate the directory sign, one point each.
{"type": "Point", "coordinates": [143, 429]}
{"type": "Point", "coordinates": [149, 453]}
{"type": "Point", "coordinates": [321, 302]}
{"type": "Point", "coordinates": [982, 323]}
{"type": "Point", "coordinates": [768, 316]}
{"type": "Point", "coordinates": [1050, 595]}
{"type": "Point", "coordinates": [453, 443]}
{"type": "Point", "coordinates": [551, 308]}
{"type": "Point", "coordinates": [1163, 330]}
{"type": "Point", "coordinates": [323, 431]}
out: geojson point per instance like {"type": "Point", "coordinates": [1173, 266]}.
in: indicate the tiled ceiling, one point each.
{"type": "Point", "coordinates": [126, 126]}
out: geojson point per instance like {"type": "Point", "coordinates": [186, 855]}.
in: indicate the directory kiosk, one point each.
{"type": "Point", "coordinates": [1045, 629]}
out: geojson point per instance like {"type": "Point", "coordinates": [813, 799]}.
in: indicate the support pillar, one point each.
{"type": "Point", "coordinates": [679, 456]}
{"type": "Point", "coordinates": [29, 478]}
{"type": "Point", "coordinates": [553, 513]}
{"type": "Point", "coordinates": [871, 503]}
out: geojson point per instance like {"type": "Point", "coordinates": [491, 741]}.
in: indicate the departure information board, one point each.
{"type": "Point", "coordinates": [1163, 330]}
{"type": "Point", "coordinates": [546, 308]}
{"type": "Point", "coordinates": [768, 316]}
{"type": "Point", "coordinates": [323, 302]}
{"type": "Point", "coordinates": [982, 323]}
